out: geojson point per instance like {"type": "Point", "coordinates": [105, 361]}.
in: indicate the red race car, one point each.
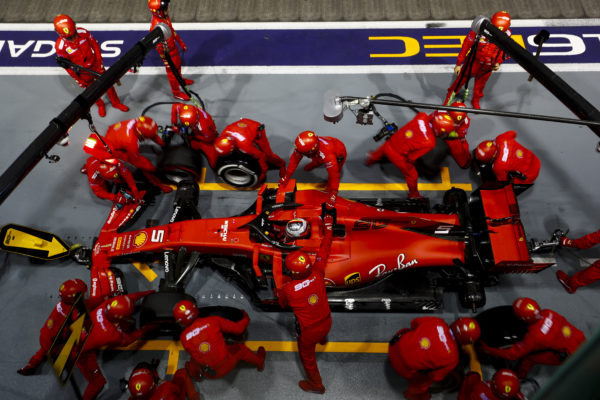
{"type": "Point", "coordinates": [382, 257]}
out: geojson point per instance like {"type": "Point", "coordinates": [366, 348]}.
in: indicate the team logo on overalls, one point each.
{"type": "Point", "coordinates": [66, 31]}
{"type": "Point", "coordinates": [242, 124]}
{"type": "Point", "coordinates": [425, 343]}
{"type": "Point", "coordinates": [408, 134]}
{"type": "Point", "coordinates": [50, 323]}
{"type": "Point", "coordinates": [204, 347]}
{"type": "Point", "coordinates": [566, 331]}
{"type": "Point", "coordinates": [520, 153]}
{"type": "Point", "coordinates": [313, 299]}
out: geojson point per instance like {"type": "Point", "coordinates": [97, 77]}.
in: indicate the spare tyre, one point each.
{"type": "Point", "coordinates": [179, 163]}
{"type": "Point", "coordinates": [500, 327]}
{"type": "Point", "coordinates": [238, 170]}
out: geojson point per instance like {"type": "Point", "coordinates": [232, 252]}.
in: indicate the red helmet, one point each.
{"type": "Point", "coordinates": [486, 151]}
{"type": "Point", "coordinates": [108, 171]}
{"type": "Point", "coordinates": [146, 127]}
{"type": "Point", "coordinates": [505, 384]}
{"type": "Point", "coordinates": [307, 142]}
{"type": "Point", "coordinates": [142, 383]}
{"type": "Point", "coordinates": [188, 115]}
{"type": "Point", "coordinates": [185, 312]}
{"type": "Point", "coordinates": [224, 146]}
{"type": "Point", "coordinates": [527, 309]}
{"type": "Point", "coordinates": [98, 148]}
{"type": "Point", "coordinates": [65, 26]}
{"type": "Point", "coordinates": [501, 20]}
{"type": "Point", "coordinates": [159, 7]}
{"type": "Point", "coordinates": [119, 307]}
{"type": "Point", "coordinates": [70, 289]}
{"type": "Point", "coordinates": [442, 123]}
{"type": "Point", "coordinates": [299, 264]}
{"type": "Point", "coordinates": [458, 116]}
{"type": "Point", "coordinates": [466, 330]}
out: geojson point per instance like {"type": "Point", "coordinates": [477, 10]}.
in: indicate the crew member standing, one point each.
{"type": "Point", "coordinates": [424, 354]}
{"type": "Point", "coordinates": [79, 47]}
{"type": "Point", "coordinates": [160, 14]}
{"type": "Point", "coordinates": [409, 143]}
{"type": "Point", "coordinates": [249, 137]}
{"type": "Point", "coordinates": [200, 128]}
{"type": "Point", "coordinates": [488, 58]}
{"type": "Point", "coordinates": [511, 161]}
{"type": "Point", "coordinates": [549, 340]}
{"type": "Point", "coordinates": [202, 338]}
{"type": "Point", "coordinates": [68, 291]}
{"type": "Point", "coordinates": [322, 150]}
{"type": "Point", "coordinates": [306, 295]}
{"type": "Point", "coordinates": [590, 274]}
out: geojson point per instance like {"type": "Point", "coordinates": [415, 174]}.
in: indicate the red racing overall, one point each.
{"type": "Point", "coordinates": [308, 300]}
{"type": "Point", "coordinates": [203, 133]}
{"type": "Point", "coordinates": [473, 388]}
{"type": "Point", "coordinates": [104, 334]}
{"type": "Point", "coordinates": [487, 58]}
{"type": "Point", "coordinates": [96, 172]}
{"type": "Point", "coordinates": [458, 145]}
{"type": "Point", "coordinates": [412, 141]}
{"type": "Point", "coordinates": [331, 153]}
{"type": "Point", "coordinates": [180, 388]}
{"type": "Point", "coordinates": [514, 157]}
{"type": "Point", "coordinates": [424, 354]}
{"type": "Point", "coordinates": [85, 51]}
{"type": "Point", "coordinates": [249, 137]}
{"type": "Point", "coordinates": [211, 357]}
{"type": "Point", "coordinates": [550, 340]}
{"type": "Point", "coordinates": [592, 273]}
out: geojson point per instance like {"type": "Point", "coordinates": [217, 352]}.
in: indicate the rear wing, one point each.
{"type": "Point", "coordinates": [501, 237]}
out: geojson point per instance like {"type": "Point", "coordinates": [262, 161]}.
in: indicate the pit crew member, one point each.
{"type": "Point", "coordinates": [79, 47]}
{"type": "Point", "coordinates": [68, 291]}
{"type": "Point", "coordinates": [124, 138]}
{"type": "Point", "coordinates": [424, 354]}
{"type": "Point", "coordinates": [503, 386]}
{"type": "Point", "coordinates": [550, 338]}
{"type": "Point", "coordinates": [110, 322]}
{"type": "Point", "coordinates": [306, 295]}
{"type": "Point", "coordinates": [199, 126]}
{"type": "Point", "coordinates": [144, 384]}
{"type": "Point", "coordinates": [410, 142]}
{"type": "Point", "coordinates": [488, 58]}
{"type": "Point", "coordinates": [590, 274]}
{"type": "Point", "coordinates": [466, 332]}
{"type": "Point", "coordinates": [322, 150]}
{"type": "Point", "coordinates": [160, 14]}
{"type": "Point", "coordinates": [456, 140]}
{"type": "Point", "coordinates": [202, 338]}
{"type": "Point", "coordinates": [510, 159]}
{"type": "Point", "coordinates": [249, 137]}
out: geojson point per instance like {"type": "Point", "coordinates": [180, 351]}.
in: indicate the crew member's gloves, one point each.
{"type": "Point", "coordinates": [283, 181]}
{"type": "Point", "coordinates": [565, 241]}
{"type": "Point", "coordinates": [330, 204]}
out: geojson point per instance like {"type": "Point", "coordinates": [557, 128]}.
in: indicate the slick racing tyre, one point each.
{"type": "Point", "coordinates": [179, 163]}
{"type": "Point", "coordinates": [500, 327]}
{"type": "Point", "coordinates": [238, 170]}
{"type": "Point", "coordinates": [158, 308]}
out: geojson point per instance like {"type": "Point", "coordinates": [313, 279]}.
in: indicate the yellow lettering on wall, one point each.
{"type": "Point", "coordinates": [411, 47]}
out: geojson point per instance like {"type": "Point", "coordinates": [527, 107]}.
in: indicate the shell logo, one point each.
{"type": "Point", "coordinates": [50, 323]}
{"type": "Point", "coordinates": [425, 343]}
{"type": "Point", "coordinates": [471, 325]}
{"type": "Point", "coordinates": [408, 134]}
{"type": "Point", "coordinates": [242, 124]}
{"type": "Point", "coordinates": [140, 239]}
{"type": "Point", "coordinates": [204, 347]}
{"type": "Point", "coordinates": [117, 125]}
{"type": "Point", "coordinates": [520, 153]}
{"type": "Point", "coordinates": [313, 299]}
{"type": "Point", "coordinates": [566, 331]}
{"type": "Point", "coordinates": [141, 119]}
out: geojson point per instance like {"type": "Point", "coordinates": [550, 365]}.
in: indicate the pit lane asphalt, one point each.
{"type": "Point", "coordinates": [56, 198]}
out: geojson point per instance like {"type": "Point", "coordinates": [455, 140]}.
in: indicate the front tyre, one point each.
{"type": "Point", "coordinates": [238, 170]}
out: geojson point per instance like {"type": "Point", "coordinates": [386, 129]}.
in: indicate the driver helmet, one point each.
{"type": "Point", "coordinates": [188, 115]}
{"type": "Point", "coordinates": [527, 309]}
{"type": "Point", "coordinates": [146, 127]}
{"type": "Point", "coordinates": [486, 151]}
{"type": "Point", "coordinates": [65, 27]}
{"type": "Point", "coordinates": [159, 7]}
{"type": "Point", "coordinates": [501, 20]}
{"type": "Point", "coordinates": [299, 264]}
{"type": "Point", "coordinates": [119, 308]}
{"type": "Point", "coordinates": [466, 330]}
{"type": "Point", "coordinates": [458, 116]}
{"type": "Point", "coordinates": [185, 312]}
{"type": "Point", "coordinates": [69, 290]}
{"type": "Point", "coordinates": [224, 146]}
{"type": "Point", "coordinates": [297, 228]}
{"type": "Point", "coordinates": [307, 143]}
{"type": "Point", "coordinates": [142, 381]}
{"type": "Point", "coordinates": [505, 384]}
{"type": "Point", "coordinates": [442, 123]}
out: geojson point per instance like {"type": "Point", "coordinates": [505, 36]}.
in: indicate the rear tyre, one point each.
{"type": "Point", "coordinates": [179, 163]}
{"type": "Point", "coordinates": [238, 170]}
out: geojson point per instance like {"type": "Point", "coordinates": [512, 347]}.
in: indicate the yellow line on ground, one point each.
{"type": "Point", "coordinates": [444, 185]}
{"type": "Point", "coordinates": [146, 271]}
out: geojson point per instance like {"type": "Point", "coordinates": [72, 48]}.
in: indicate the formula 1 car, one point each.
{"type": "Point", "coordinates": [382, 257]}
